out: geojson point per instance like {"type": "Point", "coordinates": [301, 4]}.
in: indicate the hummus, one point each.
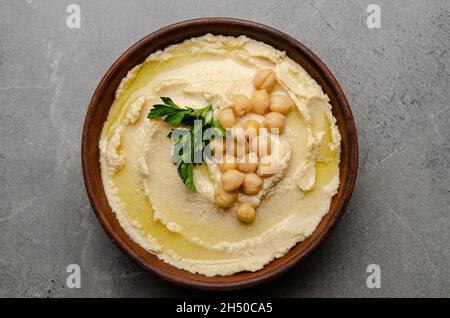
{"type": "Point", "coordinates": [186, 229]}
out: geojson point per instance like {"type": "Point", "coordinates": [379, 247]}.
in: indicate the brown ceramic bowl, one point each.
{"type": "Point", "coordinates": [104, 96]}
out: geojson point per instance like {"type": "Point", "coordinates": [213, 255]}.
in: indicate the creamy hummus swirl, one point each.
{"type": "Point", "coordinates": [187, 229]}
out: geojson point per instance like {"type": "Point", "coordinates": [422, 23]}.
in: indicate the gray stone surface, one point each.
{"type": "Point", "coordinates": [396, 79]}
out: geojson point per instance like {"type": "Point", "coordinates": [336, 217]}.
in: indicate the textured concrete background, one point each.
{"type": "Point", "coordinates": [396, 79]}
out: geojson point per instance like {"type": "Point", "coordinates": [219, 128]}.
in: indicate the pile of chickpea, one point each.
{"type": "Point", "coordinates": [246, 175]}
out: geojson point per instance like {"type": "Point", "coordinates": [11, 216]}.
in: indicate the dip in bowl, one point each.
{"type": "Point", "coordinates": [224, 223]}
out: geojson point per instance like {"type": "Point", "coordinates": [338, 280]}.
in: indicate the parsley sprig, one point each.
{"type": "Point", "coordinates": [186, 143]}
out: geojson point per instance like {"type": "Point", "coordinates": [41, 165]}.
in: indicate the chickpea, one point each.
{"type": "Point", "coordinates": [280, 104]}
{"type": "Point", "coordinates": [260, 102]}
{"type": "Point", "coordinates": [267, 166]}
{"type": "Point", "coordinates": [225, 166]}
{"type": "Point", "coordinates": [232, 180]}
{"type": "Point", "coordinates": [264, 79]}
{"type": "Point", "coordinates": [252, 183]}
{"type": "Point", "coordinates": [246, 212]}
{"type": "Point", "coordinates": [274, 122]}
{"type": "Point", "coordinates": [251, 128]}
{"type": "Point", "coordinates": [249, 163]}
{"type": "Point", "coordinates": [226, 118]}
{"type": "Point", "coordinates": [241, 104]}
{"type": "Point", "coordinates": [223, 198]}
{"type": "Point", "coordinates": [229, 164]}
{"type": "Point", "coordinates": [262, 145]}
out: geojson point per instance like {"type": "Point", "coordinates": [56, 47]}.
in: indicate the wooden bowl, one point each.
{"type": "Point", "coordinates": [104, 96]}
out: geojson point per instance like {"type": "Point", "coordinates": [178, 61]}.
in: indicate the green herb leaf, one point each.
{"type": "Point", "coordinates": [175, 118]}
{"type": "Point", "coordinates": [169, 101]}
{"type": "Point", "coordinates": [185, 146]}
{"type": "Point", "coordinates": [159, 111]}
{"type": "Point", "coordinates": [186, 172]}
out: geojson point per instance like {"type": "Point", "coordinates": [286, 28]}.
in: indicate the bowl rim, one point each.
{"type": "Point", "coordinates": [123, 244]}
